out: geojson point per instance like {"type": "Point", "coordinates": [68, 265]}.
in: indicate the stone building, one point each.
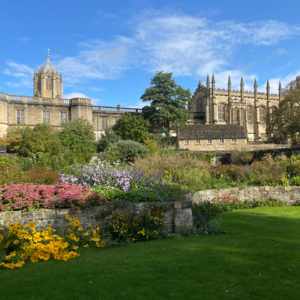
{"type": "Point", "coordinates": [48, 106]}
{"type": "Point", "coordinates": [211, 137]}
{"type": "Point", "coordinates": [248, 109]}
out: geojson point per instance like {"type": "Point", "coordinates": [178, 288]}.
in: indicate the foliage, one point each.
{"type": "Point", "coordinates": [198, 155]}
{"type": "Point", "coordinates": [40, 139]}
{"type": "Point", "coordinates": [132, 127]}
{"type": "Point", "coordinates": [169, 106]}
{"type": "Point", "coordinates": [151, 145]}
{"type": "Point", "coordinates": [41, 175]}
{"type": "Point", "coordinates": [10, 171]}
{"type": "Point", "coordinates": [270, 203]}
{"type": "Point", "coordinates": [27, 197]}
{"type": "Point", "coordinates": [78, 136]}
{"type": "Point", "coordinates": [128, 151]}
{"type": "Point", "coordinates": [233, 172]}
{"type": "Point", "coordinates": [107, 139]}
{"type": "Point", "coordinates": [143, 226]}
{"type": "Point", "coordinates": [165, 142]}
{"type": "Point", "coordinates": [286, 119]}
{"type": "Point", "coordinates": [295, 181]}
{"type": "Point", "coordinates": [12, 143]}
{"type": "Point", "coordinates": [241, 157]}
{"type": "Point", "coordinates": [19, 243]}
{"type": "Point", "coordinates": [16, 130]}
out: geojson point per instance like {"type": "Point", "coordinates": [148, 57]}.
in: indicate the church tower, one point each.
{"type": "Point", "coordinates": [47, 83]}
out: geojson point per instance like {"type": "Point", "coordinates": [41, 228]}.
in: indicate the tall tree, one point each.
{"type": "Point", "coordinates": [169, 106]}
{"type": "Point", "coordinates": [286, 119]}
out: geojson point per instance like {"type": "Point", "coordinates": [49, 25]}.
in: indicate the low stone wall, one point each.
{"type": "Point", "coordinates": [289, 194]}
{"type": "Point", "coordinates": [178, 216]}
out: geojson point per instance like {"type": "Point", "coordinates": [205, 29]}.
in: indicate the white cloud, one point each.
{"type": "Point", "coordinates": [23, 39]}
{"type": "Point", "coordinates": [20, 71]}
{"type": "Point", "coordinates": [75, 95]}
{"type": "Point", "coordinates": [279, 52]}
{"type": "Point", "coordinates": [96, 89]}
{"type": "Point", "coordinates": [139, 104]}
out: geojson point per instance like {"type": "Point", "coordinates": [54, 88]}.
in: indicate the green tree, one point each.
{"type": "Point", "coordinates": [169, 106]}
{"type": "Point", "coordinates": [131, 127]}
{"type": "Point", "coordinates": [40, 139]}
{"type": "Point", "coordinates": [286, 119]}
{"type": "Point", "coordinates": [78, 136]}
{"type": "Point", "coordinates": [107, 139]}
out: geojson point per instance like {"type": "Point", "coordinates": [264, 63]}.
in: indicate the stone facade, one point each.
{"type": "Point", "coordinates": [249, 109]}
{"type": "Point", "coordinates": [211, 137]}
{"type": "Point", "coordinates": [178, 216]}
{"type": "Point", "coordinates": [289, 194]}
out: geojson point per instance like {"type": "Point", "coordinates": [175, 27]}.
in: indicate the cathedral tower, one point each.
{"type": "Point", "coordinates": [47, 83]}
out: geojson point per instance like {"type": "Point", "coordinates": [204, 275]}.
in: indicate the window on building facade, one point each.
{"type": "Point", "coordinates": [20, 116]}
{"type": "Point", "coordinates": [209, 141]}
{"type": "Point", "coordinates": [221, 141]}
{"type": "Point", "coordinates": [197, 141]}
{"type": "Point", "coordinates": [234, 141]}
{"type": "Point", "coordinates": [117, 118]}
{"type": "Point", "coordinates": [249, 113]}
{"type": "Point", "coordinates": [262, 114]}
{"type": "Point", "coordinates": [221, 112]}
{"type": "Point", "coordinates": [103, 124]}
{"type": "Point", "coordinates": [242, 116]}
{"type": "Point", "coordinates": [46, 117]}
{"type": "Point", "coordinates": [186, 141]}
{"type": "Point", "coordinates": [63, 117]}
{"type": "Point", "coordinates": [235, 115]}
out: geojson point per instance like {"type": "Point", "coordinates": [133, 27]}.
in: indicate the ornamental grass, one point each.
{"type": "Point", "coordinates": [20, 243]}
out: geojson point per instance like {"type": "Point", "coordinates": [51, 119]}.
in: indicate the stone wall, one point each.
{"type": "Point", "coordinates": [289, 194]}
{"type": "Point", "coordinates": [178, 216]}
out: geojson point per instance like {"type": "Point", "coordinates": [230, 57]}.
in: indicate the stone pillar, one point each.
{"type": "Point", "coordinates": [256, 113]}
{"type": "Point", "coordinates": [207, 100]}
{"type": "Point", "coordinates": [183, 218]}
{"type": "Point", "coordinates": [81, 107]}
{"type": "Point", "coordinates": [279, 92]}
{"type": "Point", "coordinates": [242, 89]}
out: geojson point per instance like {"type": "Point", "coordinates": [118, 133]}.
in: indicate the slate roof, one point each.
{"type": "Point", "coordinates": [200, 131]}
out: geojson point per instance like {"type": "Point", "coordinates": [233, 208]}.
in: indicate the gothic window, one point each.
{"type": "Point", "coordinates": [221, 112]}
{"type": "Point", "coordinates": [262, 114]}
{"type": "Point", "coordinates": [48, 84]}
{"type": "Point", "coordinates": [20, 116]}
{"type": "Point", "coordinates": [249, 113]}
{"type": "Point", "coordinates": [242, 115]}
{"type": "Point", "coordinates": [63, 117]}
{"type": "Point", "coordinates": [103, 124]}
{"type": "Point", "coordinates": [46, 117]}
{"type": "Point", "coordinates": [235, 115]}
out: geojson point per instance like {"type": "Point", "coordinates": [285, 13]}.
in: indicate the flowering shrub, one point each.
{"type": "Point", "coordinates": [146, 225]}
{"type": "Point", "coordinates": [235, 173]}
{"type": "Point", "coordinates": [41, 175]}
{"type": "Point", "coordinates": [19, 243]}
{"type": "Point", "coordinates": [27, 197]}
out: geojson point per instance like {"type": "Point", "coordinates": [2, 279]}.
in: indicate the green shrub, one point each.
{"type": "Point", "coordinates": [295, 181]}
{"type": "Point", "coordinates": [242, 157]}
{"type": "Point", "coordinates": [200, 156]}
{"type": "Point", "coordinates": [10, 171]}
{"type": "Point", "coordinates": [151, 145]}
{"type": "Point", "coordinates": [107, 139]}
{"type": "Point", "coordinates": [128, 150]}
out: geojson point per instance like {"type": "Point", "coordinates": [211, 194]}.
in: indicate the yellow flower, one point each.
{"type": "Point", "coordinates": [80, 228]}
{"type": "Point", "coordinates": [16, 242]}
{"type": "Point", "coordinates": [86, 246]}
{"type": "Point", "coordinates": [75, 247]}
{"type": "Point", "coordinates": [90, 225]}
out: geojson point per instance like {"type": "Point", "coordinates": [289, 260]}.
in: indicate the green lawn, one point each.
{"type": "Point", "coordinates": [257, 259]}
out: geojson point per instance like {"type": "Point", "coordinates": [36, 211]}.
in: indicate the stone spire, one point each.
{"type": "Point", "coordinates": [279, 91]}
{"type": "Point", "coordinates": [199, 84]}
{"type": "Point", "coordinates": [242, 89]}
{"type": "Point", "coordinates": [255, 86]}
{"type": "Point", "coordinates": [207, 82]}
{"type": "Point", "coordinates": [229, 88]}
{"type": "Point", "coordinates": [213, 82]}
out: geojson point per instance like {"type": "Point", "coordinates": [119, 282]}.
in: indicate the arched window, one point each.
{"type": "Point", "coordinates": [249, 113]}
{"type": "Point", "coordinates": [236, 115]}
{"type": "Point", "coordinates": [262, 116]}
{"type": "Point", "coordinates": [221, 112]}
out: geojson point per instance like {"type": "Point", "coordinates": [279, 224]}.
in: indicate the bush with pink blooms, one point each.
{"type": "Point", "coordinates": [28, 196]}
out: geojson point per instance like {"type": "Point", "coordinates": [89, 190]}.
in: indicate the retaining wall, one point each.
{"type": "Point", "coordinates": [289, 194]}
{"type": "Point", "coordinates": [178, 216]}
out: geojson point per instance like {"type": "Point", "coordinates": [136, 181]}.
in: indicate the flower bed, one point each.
{"type": "Point", "coordinates": [27, 196]}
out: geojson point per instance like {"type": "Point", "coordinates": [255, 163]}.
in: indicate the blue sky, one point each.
{"type": "Point", "coordinates": [109, 50]}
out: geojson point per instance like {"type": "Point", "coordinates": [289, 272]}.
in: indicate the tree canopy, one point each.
{"type": "Point", "coordinates": [78, 136]}
{"type": "Point", "coordinates": [131, 127]}
{"type": "Point", "coordinates": [169, 106]}
{"type": "Point", "coordinates": [286, 119]}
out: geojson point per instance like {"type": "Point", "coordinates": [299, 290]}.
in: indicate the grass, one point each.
{"type": "Point", "coordinates": [257, 259]}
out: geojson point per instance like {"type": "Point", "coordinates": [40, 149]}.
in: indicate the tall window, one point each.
{"type": "Point", "coordinates": [20, 116]}
{"type": "Point", "coordinates": [235, 115]}
{"type": "Point", "coordinates": [63, 117]}
{"type": "Point", "coordinates": [48, 84]}
{"type": "Point", "coordinates": [103, 124]}
{"type": "Point", "coordinates": [46, 117]}
{"type": "Point", "coordinates": [242, 116]}
{"type": "Point", "coordinates": [249, 113]}
{"type": "Point", "coordinates": [262, 114]}
{"type": "Point", "coordinates": [221, 112]}
{"type": "Point", "coordinates": [186, 141]}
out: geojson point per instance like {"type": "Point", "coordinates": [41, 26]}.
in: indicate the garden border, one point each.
{"type": "Point", "coordinates": [289, 194]}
